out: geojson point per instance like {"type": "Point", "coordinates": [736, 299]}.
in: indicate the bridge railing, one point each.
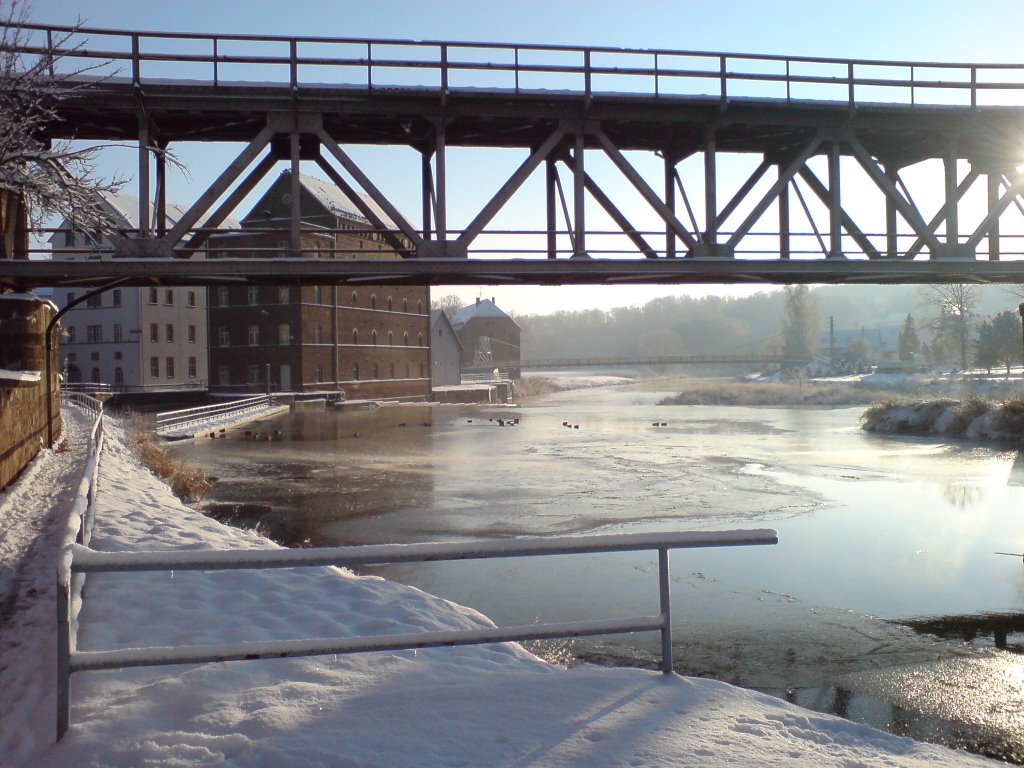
{"type": "Point", "coordinates": [172, 421]}
{"type": "Point", "coordinates": [451, 66]}
{"type": "Point", "coordinates": [79, 560]}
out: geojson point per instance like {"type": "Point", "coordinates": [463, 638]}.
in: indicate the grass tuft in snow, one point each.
{"type": "Point", "coordinates": [189, 483]}
{"type": "Point", "coordinates": [971, 407]}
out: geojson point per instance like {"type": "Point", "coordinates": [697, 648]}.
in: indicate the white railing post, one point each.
{"type": "Point", "coordinates": [63, 656]}
{"type": "Point", "coordinates": [664, 589]}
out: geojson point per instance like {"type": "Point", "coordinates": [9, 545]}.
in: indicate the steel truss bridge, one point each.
{"type": "Point", "coordinates": [290, 101]}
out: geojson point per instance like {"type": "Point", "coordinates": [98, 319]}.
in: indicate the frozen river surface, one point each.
{"type": "Point", "coordinates": [872, 531]}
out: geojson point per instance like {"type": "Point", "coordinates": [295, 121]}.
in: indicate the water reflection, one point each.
{"type": "Point", "coordinates": [869, 527]}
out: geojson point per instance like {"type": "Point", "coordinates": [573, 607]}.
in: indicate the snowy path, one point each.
{"type": "Point", "coordinates": [32, 515]}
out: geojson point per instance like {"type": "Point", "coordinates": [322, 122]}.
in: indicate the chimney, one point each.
{"type": "Point", "coordinates": [493, 301]}
{"type": "Point", "coordinates": [478, 301]}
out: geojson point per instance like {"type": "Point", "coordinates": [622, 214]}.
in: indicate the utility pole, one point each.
{"type": "Point", "coordinates": [1020, 310]}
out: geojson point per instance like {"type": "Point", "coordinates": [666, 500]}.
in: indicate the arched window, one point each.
{"type": "Point", "coordinates": [355, 299]}
{"type": "Point", "coordinates": [373, 301]}
{"type": "Point", "coordinates": [254, 335]}
{"type": "Point", "coordinates": [355, 371]}
{"type": "Point", "coordinates": [405, 305]}
{"type": "Point", "coordinates": [419, 307]}
{"type": "Point", "coordinates": [355, 336]}
{"type": "Point", "coordinates": [223, 337]}
{"type": "Point", "coordinates": [405, 339]}
{"type": "Point", "coordinates": [318, 334]}
{"type": "Point", "coordinates": [373, 338]}
{"type": "Point", "coordinates": [376, 371]}
{"type": "Point", "coordinates": [391, 371]}
{"type": "Point", "coordinates": [95, 375]}
{"type": "Point", "coordinates": [389, 304]}
{"type": "Point", "coordinates": [119, 375]}
{"type": "Point", "coordinates": [419, 340]}
{"type": "Point", "coordinates": [391, 341]}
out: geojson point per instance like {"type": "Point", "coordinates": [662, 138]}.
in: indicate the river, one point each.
{"type": "Point", "coordinates": [873, 532]}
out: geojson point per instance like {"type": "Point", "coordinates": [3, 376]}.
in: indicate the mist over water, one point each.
{"type": "Point", "coordinates": [873, 530]}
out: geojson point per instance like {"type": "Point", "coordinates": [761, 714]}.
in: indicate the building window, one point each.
{"type": "Point", "coordinates": [355, 371]}
{"type": "Point", "coordinates": [318, 294]}
{"type": "Point", "coordinates": [405, 339]}
{"type": "Point", "coordinates": [390, 304]}
{"type": "Point", "coordinates": [192, 366]}
{"type": "Point", "coordinates": [355, 336]}
{"type": "Point", "coordinates": [191, 334]}
{"type": "Point", "coordinates": [119, 375]}
{"type": "Point", "coordinates": [318, 334]}
{"type": "Point", "coordinates": [169, 332]}
{"type": "Point", "coordinates": [355, 299]}
{"type": "Point", "coordinates": [254, 294]}
{"type": "Point", "coordinates": [191, 298]}
{"type": "Point", "coordinates": [419, 307]}
{"type": "Point", "coordinates": [72, 357]}
{"type": "Point", "coordinates": [408, 374]}
{"type": "Point", "coordinates": [223, 375]}
{"type": "Point", "coordinates": [319, 374]}
{"type": "Point", "coordinates": [223, 338]}
{"type": "Point", "coordinates": [376, 371]}
{"type": "Point", "coordinates": [254, 374]}
{"type": "Point", "coordinates": [154, 332]}
{"type": "Point", "coordinates": [169, 367]}
{"type": "Point", "coordinates": [169, 297]}
{"type": "Point", "coordinates": [419, 340]}
{"type": "Point", "coordinates": [154, 296]}
{"type": "Point", "coordinates": [94, 334]}
{"type": "Point", "coordinates": [118, 355]}
{"type": "Point", "coordinates": [254, 335]}
{"type": "Point", "coordinates": [94, 301]}
{"type": "Point", "coordinates": [118, 333]}
{"type": "Point", "coordinates": [405, 305]}
{"type": "Point", "coordinates": [391, 339]}
{"type": "Point", "coordinates": [373, 338]}
{"type": "Point", "coordinates": [70, 332]}
{"type": "Point", "coordinates": [373, 301]}
{"type": "Point", "coordinates": [222, 297]}
{"type": "Point", "coordinates": [154, 367]}
{"type": "Point", "coordinates": [284, 334]}
{"type": "Point", "coordinates": [117, 297]}
{"type": "Point", "coordinates": [94, 355]}
{"type": "Point", "coordinates": [391, 371]}
{"type": "Point", "coordinates": [95, 375]}
{"type": "Point", "coordinates": [284, 294]}
{"type": "Point", "coordinates": [71, 297]}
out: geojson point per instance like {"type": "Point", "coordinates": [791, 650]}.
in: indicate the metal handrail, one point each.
{"type": "Point", "coordinates": [447, 58]}
{"type": "Point", "coordinates": [184, 417]}
{"type": "Point", "coordinates": [81, 560]}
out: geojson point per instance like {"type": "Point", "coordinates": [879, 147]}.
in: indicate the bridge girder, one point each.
{"type": "Point", "coordinates": [296, 121]}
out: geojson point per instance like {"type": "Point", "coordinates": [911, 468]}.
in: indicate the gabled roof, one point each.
{"type": "Point", "coordinates": [437, 317]}
{"type": "Point", "coordinates": [334, 201]}
{"type": "Point", "coordinates": [124, 210]}
{"type": "Point", "coordinates": [482, 308]}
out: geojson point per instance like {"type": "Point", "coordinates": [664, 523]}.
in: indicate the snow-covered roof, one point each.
{"type": "Point", "coordinates": [480, 309]}
{"type": "Point", "coordinates": [338, 203]}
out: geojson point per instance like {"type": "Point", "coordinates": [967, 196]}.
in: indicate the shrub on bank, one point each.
{"type": "Point", "coordinates": [189, 483]}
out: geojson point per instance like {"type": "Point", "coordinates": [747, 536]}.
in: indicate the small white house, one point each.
{"type": "Point", "coordinates": [445, 352]}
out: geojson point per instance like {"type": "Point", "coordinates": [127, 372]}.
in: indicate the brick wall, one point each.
{"type": "Point", "coordinates": [23, 321]}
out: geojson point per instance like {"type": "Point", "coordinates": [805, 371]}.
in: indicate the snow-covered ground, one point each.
{"type": "Point", "coordinates": [471, 706]}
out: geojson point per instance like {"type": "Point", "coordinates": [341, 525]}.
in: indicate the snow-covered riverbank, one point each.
{"type": "Point", "coordinates": [474, 706]}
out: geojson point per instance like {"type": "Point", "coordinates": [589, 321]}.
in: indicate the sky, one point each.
{"type": "Point", "coordinates": [944, 31]}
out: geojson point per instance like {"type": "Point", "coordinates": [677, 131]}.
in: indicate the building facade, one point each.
{"type": "Point", "coordinates": [489, 336]}
{"type": "Point", "coordinates": [130, 339]}
{"type": "Point", "coordinates": [367, 341]}
{"type": "Point", "coordinates": [445, 352]}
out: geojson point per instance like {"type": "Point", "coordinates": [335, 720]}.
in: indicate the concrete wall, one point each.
{"type": "Point", "coordinates": [23, 320]}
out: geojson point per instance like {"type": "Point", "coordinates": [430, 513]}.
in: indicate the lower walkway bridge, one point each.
{"type": "Point", "coordinates": [629, 362]}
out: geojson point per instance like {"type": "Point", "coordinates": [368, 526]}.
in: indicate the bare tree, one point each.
{"type": "Point", "coordinates": [953, 308]}
{"type": "Point", "coordinates": [449, 304]}
{"type": "Point", "coordinates": [50, 179]}
{"type": "Point", "coordinates": [799, 324]}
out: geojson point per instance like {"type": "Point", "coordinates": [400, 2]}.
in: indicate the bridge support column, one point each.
{"type": "Point", "coordinates": [710, 189]}
{"type": "Point", "coordinates": [994, 179]}
{"type": "Point", "coordinates": [579, 196]}
{"type": "Point", "coordinates": [144, 191]}
{"type": "Point", "coordinates": [551, 187]}
{"type": "Point", "coordinates": [835, 207]}
{"type": "Point", "coordinates": [670, 202]}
